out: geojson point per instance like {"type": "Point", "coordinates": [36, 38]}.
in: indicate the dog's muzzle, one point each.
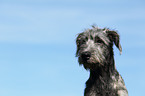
{"type": "Point", "coordinates": [85, 56]}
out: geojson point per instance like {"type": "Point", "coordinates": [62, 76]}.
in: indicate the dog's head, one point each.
{"type": "Point", "coordinates": [95, 46]}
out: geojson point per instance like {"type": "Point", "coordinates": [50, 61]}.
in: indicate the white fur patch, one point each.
{"type": "Point", "coordinates": [120, 86]}
{"type": "Point", "coordinates": [122, 93]}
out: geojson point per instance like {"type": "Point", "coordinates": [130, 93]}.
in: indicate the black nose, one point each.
{"type": "Point", "coordinates": [86, 56]}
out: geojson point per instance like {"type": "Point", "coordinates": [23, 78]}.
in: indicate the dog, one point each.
{"type": "Point", "coordinates": [95, 53]}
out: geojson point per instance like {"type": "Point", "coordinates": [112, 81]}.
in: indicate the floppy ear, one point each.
{"type": "Point", "coordinates": [78, 43]}
{"type": "Point", "coordinates": [114, 37]}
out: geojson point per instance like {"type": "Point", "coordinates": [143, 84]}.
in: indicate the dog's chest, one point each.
{"type": "Point", "coordinates": [113, 86]}
{"type": "Point", "coordinates": [101, 88]}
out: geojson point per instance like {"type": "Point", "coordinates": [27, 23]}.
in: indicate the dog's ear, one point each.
{"type": "Point", "coordinates": [114, 37]}
{"type": "Point", "coordinates": [78, 43]}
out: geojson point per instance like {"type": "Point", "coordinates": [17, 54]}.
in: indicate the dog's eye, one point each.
{"type": "Point", "coordinates": [83, 41]}
{"type": "Point", "coordinates": [97, 40]}
{"type": "Point", "coordinates": [80, 42]}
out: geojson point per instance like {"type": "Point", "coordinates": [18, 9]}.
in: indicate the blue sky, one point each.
{"type": "Point", "coordinates": [37, 44]}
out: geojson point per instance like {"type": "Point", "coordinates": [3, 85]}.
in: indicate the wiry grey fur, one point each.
{"type": "Point", "coordinates": [95, 53]}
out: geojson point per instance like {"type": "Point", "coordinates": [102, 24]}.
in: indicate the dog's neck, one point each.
{"type": "Point", "coordinates": [100, 81]}
{"type": "Point", "coordinates": [103, 72]}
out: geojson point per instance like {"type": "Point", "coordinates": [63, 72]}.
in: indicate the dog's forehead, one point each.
{"type": "Point", "coordinates": [94, 33]}
{"type": "Point", "coordinates": [99, 33]}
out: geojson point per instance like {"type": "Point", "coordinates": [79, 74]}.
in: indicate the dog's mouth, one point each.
{"type": "Point", "coordinates": [89, 63]}
{"type": "Point", "coordinates": [88, 59]}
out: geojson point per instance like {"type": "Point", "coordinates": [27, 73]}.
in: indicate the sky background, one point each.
{"type": "Point", "coordinates": [37, 44]}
